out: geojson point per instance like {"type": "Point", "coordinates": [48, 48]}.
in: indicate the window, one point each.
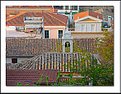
{"type": "Point", "coordinates": [92, 27]}
{"type": "Point", "coordinates": [46, 33]}
{"type": "Point", "coordinates": [14, 60]}
{"type": "Point", "coordinates": [73, 7]}
{"type": "Point", "coordinates": [82, 27]}
{"type": "Point", "coordinates": [88, 27]}
{"type": "Point", "coordinates": [66, 7]}
{"type": "Point", "coordinates": [60, 33]}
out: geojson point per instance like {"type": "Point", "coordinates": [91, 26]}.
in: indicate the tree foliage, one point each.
{"type": "Point", "coordinates": [106, 47]}
{"type": "Point", "coordinates": [101, 74]}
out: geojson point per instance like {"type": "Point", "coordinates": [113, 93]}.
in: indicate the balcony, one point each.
{"type": "Point", "coordinates": [32, 21]}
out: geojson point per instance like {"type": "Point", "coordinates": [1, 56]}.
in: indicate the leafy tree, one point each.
{"type": "Point", "coordinates": [100, 74]}
{"type": "Point", "coordinates": [97, 74]}
{"type": "Point", "coordinates": [106, 47]}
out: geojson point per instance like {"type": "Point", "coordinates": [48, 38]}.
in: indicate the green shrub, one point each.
{"type": "Point", "coordinates": [19, 84]}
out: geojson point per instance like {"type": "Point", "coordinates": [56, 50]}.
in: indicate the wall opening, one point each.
{"type": "Point", "coordinates": [67, 46]}
{"type": "Point", "coordinates": [14, 60]}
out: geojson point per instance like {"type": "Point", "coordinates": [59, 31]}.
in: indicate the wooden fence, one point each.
{"type": "Point", "coordinates": [64, 62]}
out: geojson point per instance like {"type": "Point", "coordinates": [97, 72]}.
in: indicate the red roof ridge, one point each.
{"type": "Point", "coordinates": [55, 17]}
{"type": "Point", "coordinates": [16, 16]}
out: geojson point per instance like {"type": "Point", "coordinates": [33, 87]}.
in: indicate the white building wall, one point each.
{"type": "Point", "coordinates": [9, 60]}
{"type": "Point", "coordinates": [87, 26]}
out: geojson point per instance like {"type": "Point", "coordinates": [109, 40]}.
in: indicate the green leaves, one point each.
{"type": "Point", "coordinates": [100, 74]}
{"type": "Point", "coordinates": [106, 47]}
{"type": "Point", "coordinates": [47, 79]}
{"type": "Point", "coordinates": [19, 84]}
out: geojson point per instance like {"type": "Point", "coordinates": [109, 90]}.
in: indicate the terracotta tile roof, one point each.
{"type": "Point", "coordinates": [15, 16]}
{"type": "Point", "coordinates": [8, 16]}
{"type": "Point", "coordinates": [24, 47]}
{"type": "Point", "coordinates": [50, 19]}
{"type": "Point", "coordinates": [29, 76]}
{"type": "Point", "coordinates": [87, 13]}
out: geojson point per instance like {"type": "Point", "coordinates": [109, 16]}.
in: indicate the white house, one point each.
{"type": "Point", "coordinates": [88, 21]}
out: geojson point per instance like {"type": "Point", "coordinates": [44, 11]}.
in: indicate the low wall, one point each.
{"type": "Point", "coordinates": [78, 35]}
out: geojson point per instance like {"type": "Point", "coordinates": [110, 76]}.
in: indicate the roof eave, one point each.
{"type": "Point", "coordinates": [99, 20]}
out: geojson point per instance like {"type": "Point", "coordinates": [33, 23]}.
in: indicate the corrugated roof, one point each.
{"type": "Point", "coordinates": [87, 13]}
{"type": "Point", "coordinates": [50, 19]}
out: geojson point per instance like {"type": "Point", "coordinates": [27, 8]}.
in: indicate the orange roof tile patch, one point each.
{"type": "Point", "coordinates": [50, 19]}
{"type": "Point", "coordinates": [87, 13]}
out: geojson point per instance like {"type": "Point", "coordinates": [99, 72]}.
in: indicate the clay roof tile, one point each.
{"type": "Point", "coordinates": [50, 19]}
{"type": "Point", "coordinates": [87, 13]}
